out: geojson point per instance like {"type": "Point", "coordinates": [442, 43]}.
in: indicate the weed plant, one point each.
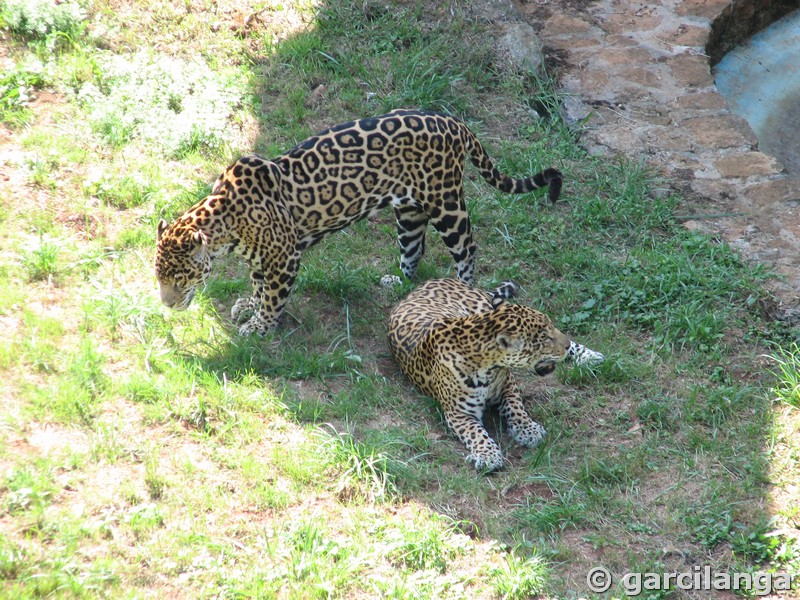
{"type": "Point", "coordinates": [787, 374]}
{"type": "Point", "coordinates": [176, 106]}
{"type": "Point", "coordinates": [36, 19]}
{"type": "Point", "coordinates": [17, 89]}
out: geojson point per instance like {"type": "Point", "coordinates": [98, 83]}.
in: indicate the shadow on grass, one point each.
{"type": "Point", "coordinates": [668, 448]}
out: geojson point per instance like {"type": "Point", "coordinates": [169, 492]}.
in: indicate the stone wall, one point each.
{"type": "Point", "coordinates": [637, 80]}
{"type": "Point", "coordinates": [742, 19]}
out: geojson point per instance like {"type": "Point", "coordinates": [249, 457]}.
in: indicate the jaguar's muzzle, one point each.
{"type": "Point", "coordinates": [544, 367]}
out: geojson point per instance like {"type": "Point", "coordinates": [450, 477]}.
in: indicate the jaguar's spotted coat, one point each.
{"type": "Point", "coordinates": [269, 211]}
{"type": "Point", "coordinates": [457, 345]}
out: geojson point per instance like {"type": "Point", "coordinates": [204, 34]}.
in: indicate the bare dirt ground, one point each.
{"type": "Point", "coordinates": [639, 81]}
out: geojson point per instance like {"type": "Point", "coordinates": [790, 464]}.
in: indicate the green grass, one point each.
{"type": "Point", "coordinates": [150, 453]}
{"type": "Point", "coordinates": [42, 262]}
{"type": "Point", "coordinates": [787, 374]}
{"type": "Point", "coordinates": [41, 19]}
{"type": "Point", "coordinates": [520, 577]}
{"type": "Point", "coordinates": [17, 88]}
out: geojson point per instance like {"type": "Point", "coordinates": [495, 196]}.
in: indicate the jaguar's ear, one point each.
{"type": "Point", "coordinates": [199, 242]}
{"type": "Point", "coordinates": [162, 227]}
{"type": "Point", "coordinates": [510, 343]}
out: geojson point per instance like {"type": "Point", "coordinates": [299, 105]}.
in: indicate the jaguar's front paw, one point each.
{"type": "Point", "coordinates": [258, 325]}
{"type": "Point", "coordinates": [528, 434]}
{"type": "Point", "coordinates": [486, 460]}
{"type": "Point", "coordinates": [242, 309]}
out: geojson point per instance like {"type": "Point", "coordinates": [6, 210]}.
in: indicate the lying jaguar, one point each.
{"type": "Point", "coordinates": [457, 344]}
{"type": "Point", "coordinates": [269, 211]}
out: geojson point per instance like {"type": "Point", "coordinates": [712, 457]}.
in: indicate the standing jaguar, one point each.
{"type": "Point", "coordinates": [457, 344]}
{"type": "Point", "coordinates": [269, 210]}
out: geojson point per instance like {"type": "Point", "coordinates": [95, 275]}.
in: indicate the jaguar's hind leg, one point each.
{"type": "Point", "coordinates": [452, 223]}
{"type": "Point", "coordinates": [411, 225]}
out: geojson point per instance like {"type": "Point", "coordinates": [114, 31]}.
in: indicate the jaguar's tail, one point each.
{"type": "Point", "coordinates": [503, 292]}
{"type": "Point", "coordinates": [584, 356]}
{"type": "Point", "coordinates": [551, 178]}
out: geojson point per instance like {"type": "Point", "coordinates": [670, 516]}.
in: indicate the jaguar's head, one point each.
{"type": "Point", "coordinates": [528, 339]}
{"type": "Point", "coordinates": [183, 262]}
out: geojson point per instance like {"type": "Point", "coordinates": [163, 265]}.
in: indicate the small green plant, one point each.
{"type": "Point", "coordinates": [117, 309]}
{"type": "Point", "coordinates": [787, 387]}
{"type": "Point", "coordinates": [17, 89]}
{"type": "Point", "coordinates": [761, 544]}
{"type": "Point", "coordinates": [551, 516]}
{"type": "Point", "coordinates": [339, 282]}
{"type": "Point", "coordinates": [135, 238]}
{"type": "Point", "coordinates": [520, 578]}
{"type": "Point", "coordinates": [715, 406]}
{"type": "Point", "coordinates": [144, 517]}
{"type": "Point", "coordinates": [597, 471]}
{"type": "Point", "coordinates": [42, 262]}
{"type": "Point", "coordinates": [156, 484]}
{"type": "Point", "coordinates": [657, 413]}
{"type": "Point", "coordinates": [86, 369]}
{"type": "Point", "coordinates": [77, 386]}
{"type": "Point", "coordinates": [693, 326]}
{"type": "Point", "coordinates": [364, 471]}
{"type": "Point", "coordinates": [106, 444]}
{"type": "Point", "coordinates": [40, 347]}
{"type": "Point", "coordinates": [711, 528]}
{"type": "Point", "coordinates": [13, 559]}
{"type": "Point", "coordinates": [312, 563]}
{"type": "Point", "coordinates": [27, 488]}
{"type": "Point", "coordinates": [127, 191]}
{"type": "Point", "coordinates": [427, 546]}
{"type": "Point", "coordinates": [44, 171]}
{"type": "Point", "coordinates": [426, 81]}
{"type": "Point", "coordinates": [305, 53]}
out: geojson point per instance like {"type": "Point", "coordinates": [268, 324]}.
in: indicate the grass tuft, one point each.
{"type": "Point", "coordinates": [364, 473]}
{"type": "Point", "coordinates": [520, 578]}
{"type": "Point", "coordinates": [42, 263]}
{"type": "Point", "coordinates": [787, 387]}
{"type": "Point", "coordinates": [18, 87]}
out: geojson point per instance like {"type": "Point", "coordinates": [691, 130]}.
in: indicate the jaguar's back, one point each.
{"type": "Point", "coordinates": [446, 323]}
{"type": "Point", "coordinates": [429, 307]}
{"type": "Point", "coordinates": [411, 160]}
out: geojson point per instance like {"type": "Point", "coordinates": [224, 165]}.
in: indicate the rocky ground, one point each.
{"type": "Point", "coordinates": [639, 79]}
